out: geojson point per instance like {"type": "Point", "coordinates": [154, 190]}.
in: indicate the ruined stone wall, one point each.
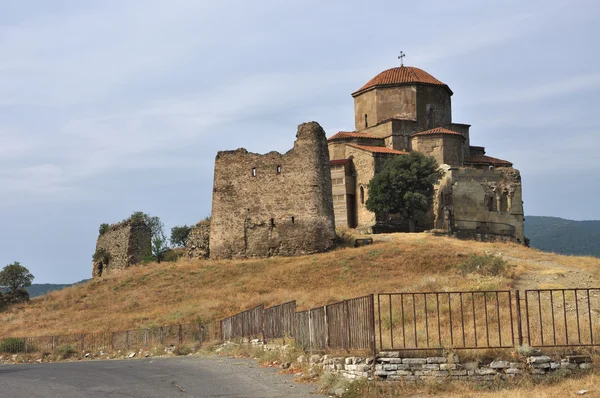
{"type": "Point", "coordinates": [274, 204]}
{"type": "Point", "coordinates": [486, 201]}
{"type": "Point", "coordinates": [124, 244]}
{"type": "Point", "coordinates": [197, 244]}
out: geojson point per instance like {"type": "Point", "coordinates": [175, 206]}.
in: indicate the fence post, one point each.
{"type": "Point", "coordinates": [373, 339]}
{"type": "Point", "coordinates": [518, 308]}
{"type": "Point", "coordinates": [326, 328]}
{"type": "Point", "coordinates": [83, 342]}
{"type": "Point", "coordinates": [160, 334]}
{"type": "Point", "coordinates": [310, 331]}
{"type": "Point", "coordinates": [24, 344]}
{"type": "Point", "coordinates": [347, 325]}
{"type": "Point", "coordinates": [145, 337]}
{"type": "Point", "coordinates": [53, 343]}
{"type": "Point", "coordinates": [127, 338]}
{"type": "Point", "coordinates": [112, 341]}
{"type": "Point", "coordinates": [180, 334]}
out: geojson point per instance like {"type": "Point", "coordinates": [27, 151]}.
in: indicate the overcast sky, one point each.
{"type": "Point", "coordinates": [113, 106]}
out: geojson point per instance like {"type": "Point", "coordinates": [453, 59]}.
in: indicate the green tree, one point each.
{"type": "Point", "coordinates": [159, 246]}
{"type": "Point", "coordinates": [14, 276]}
{"type": "Point", "coordinates": [404, 186]}
{"type": "Point", "coordinates": [179, 235]}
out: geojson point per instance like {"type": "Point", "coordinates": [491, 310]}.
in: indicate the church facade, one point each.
{"type": "Point", "coordinates": [406, 109]}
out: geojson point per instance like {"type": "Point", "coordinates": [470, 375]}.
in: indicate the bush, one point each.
{"type": "Point", "coordinates": [103, 228]}
{"type": "Point", "coordinates": [182, 350]}
{"type": "Point", "coordinates": [12, 345]}
{"type": "Point", "coordinates": [65, 351]}
{"type": "Point", "coordinates": [101, 256]}
{"type": "Point", "coordinates": [486, 265]}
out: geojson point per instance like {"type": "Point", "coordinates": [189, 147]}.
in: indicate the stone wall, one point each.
{"type": "Point", "coordinates": [197, 244]}
{"type": "Point", "coordinates": [484, 201]}
{"type": "Point", "coordinates": [391, 366]}
{"type": "Point", "coordinates": [274, 204]}
{"type": "Point", "coordinates": [123, 245]}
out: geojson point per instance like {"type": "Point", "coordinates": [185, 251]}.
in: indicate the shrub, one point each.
{"type": "Point", "coordinates": [101, 256]}
{"type": "Point", "coordinates": [65, 351]}
{"type": "Point", "coordinates": [103, 228]}
{"type": "Point", "coordinates": [12, 345]}
{"type": "Point", "coordinates": [182, 350]}
{"type": "Point", "coordinates": [486, 265]}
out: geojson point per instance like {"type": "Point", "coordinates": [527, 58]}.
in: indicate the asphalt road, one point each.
{"type": "Point", "coordinates": [151, 377]}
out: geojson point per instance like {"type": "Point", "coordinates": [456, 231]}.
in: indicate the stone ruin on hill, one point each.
{"type": "Point", "coordinates": [274, 204]}
{"type": "Point", "coordinates": [122, 245]}
{"type": "Point", "coordinates": [198, 241]}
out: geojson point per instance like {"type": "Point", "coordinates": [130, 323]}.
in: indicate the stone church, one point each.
{"type": "Point", "coordinates": [406, 109]}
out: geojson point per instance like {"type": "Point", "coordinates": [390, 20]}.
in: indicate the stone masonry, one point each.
{"type": "Point", "coordinates": [122, 245]}
{"type": "Point", "coordinates": [392, 367]}
{"type": "Point", "coordinates": [198, 241]}
{"type": "Point", "coordinates": [273, 204]}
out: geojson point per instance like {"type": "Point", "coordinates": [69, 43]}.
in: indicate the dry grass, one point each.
{"type": "Point", "coordinates": [189, 291]}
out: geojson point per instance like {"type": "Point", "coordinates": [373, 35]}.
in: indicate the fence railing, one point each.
{"type": "Point", "coordinates": [426, 320]}
{"type": "Point", "coordinates": [562, 317]}
{"type": "Point", "coordinates": [395, 321]}
{"type": "Point", "coordinates": [435, 320]}
{"type": "Point", "coordinates": [114, 340]}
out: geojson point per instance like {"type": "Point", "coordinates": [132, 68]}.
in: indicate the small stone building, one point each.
{"type": "Point", "coordinates": [121, 246]}
{"type": "Point", "coordinates": [406, 109]}
{"type": "Point", "coordinates": [273, 204]}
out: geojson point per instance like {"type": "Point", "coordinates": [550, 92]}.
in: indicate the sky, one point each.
{"type": "Point", "coordinates": [113, 106]}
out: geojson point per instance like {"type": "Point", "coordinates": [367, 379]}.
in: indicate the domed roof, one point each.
{"type": "Point", "coordinates": [400, 76]}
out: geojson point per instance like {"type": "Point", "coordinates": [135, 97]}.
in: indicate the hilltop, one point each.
{"type": "Point", "coordinates": [200, 290]}
{"type": "Point", "coordinates": [562, 236]}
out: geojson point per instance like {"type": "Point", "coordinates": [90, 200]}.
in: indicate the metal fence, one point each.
{"type": "Point", "coordinates": [428, 320]}
{"type": "Point", "coordinates": [116, 340]}
{"type": "Point", "coordinates": [488, 319]}
{"type": "Point", "coordinates": [562, 317]}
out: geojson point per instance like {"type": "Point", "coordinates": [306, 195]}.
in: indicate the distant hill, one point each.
{"type": "Point", "coordinates": [562, 236]}
{"type": "Point", "coordinates": [39, 289]}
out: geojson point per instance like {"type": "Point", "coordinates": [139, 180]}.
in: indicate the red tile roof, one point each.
{"type": "Point", "coordinates": [336, 162]}
{"type": "Point", "coordinates": [481, 159]}
{"type": "Point", "coordinates": [401, 75]}
{"type": "Point", "coordinates": [350, 134]}
{"type": "Point", "coordinates": [435, 131]}
{"type": "Point", "coordinates": [378, 149]}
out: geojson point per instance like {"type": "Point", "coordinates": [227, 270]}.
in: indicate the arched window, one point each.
{"type": "Point", "coordinates": [362, 196]}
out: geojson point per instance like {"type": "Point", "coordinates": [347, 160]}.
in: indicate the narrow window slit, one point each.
{"type": "Point", "coordinates": [254, 172]}
{"type": "Point", "coordinates": [278, 169]}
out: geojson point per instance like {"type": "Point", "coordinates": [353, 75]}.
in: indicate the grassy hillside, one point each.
{"type": "Point", "coordinates": [188, 291]}
{"type": "Point", "coordinates": [562, 236]}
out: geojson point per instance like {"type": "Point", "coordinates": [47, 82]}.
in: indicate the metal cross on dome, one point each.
{"type": "Point", "coordinates": [401, 58]}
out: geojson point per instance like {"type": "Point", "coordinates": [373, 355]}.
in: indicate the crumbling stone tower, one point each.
{"type": "Point", "coordinates": [122, 245]}
{"type": "Point", "coordinates": [273, 204]}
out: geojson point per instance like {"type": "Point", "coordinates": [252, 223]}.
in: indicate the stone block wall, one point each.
{"type": "Point", "coordinates": [124, 244]}
{"type": "Point", "coordinates": [274, 204]}
{"type": "Point", "coordinates": [391, 366]}
{"type": "Point", "coordinates": [197, 244]}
